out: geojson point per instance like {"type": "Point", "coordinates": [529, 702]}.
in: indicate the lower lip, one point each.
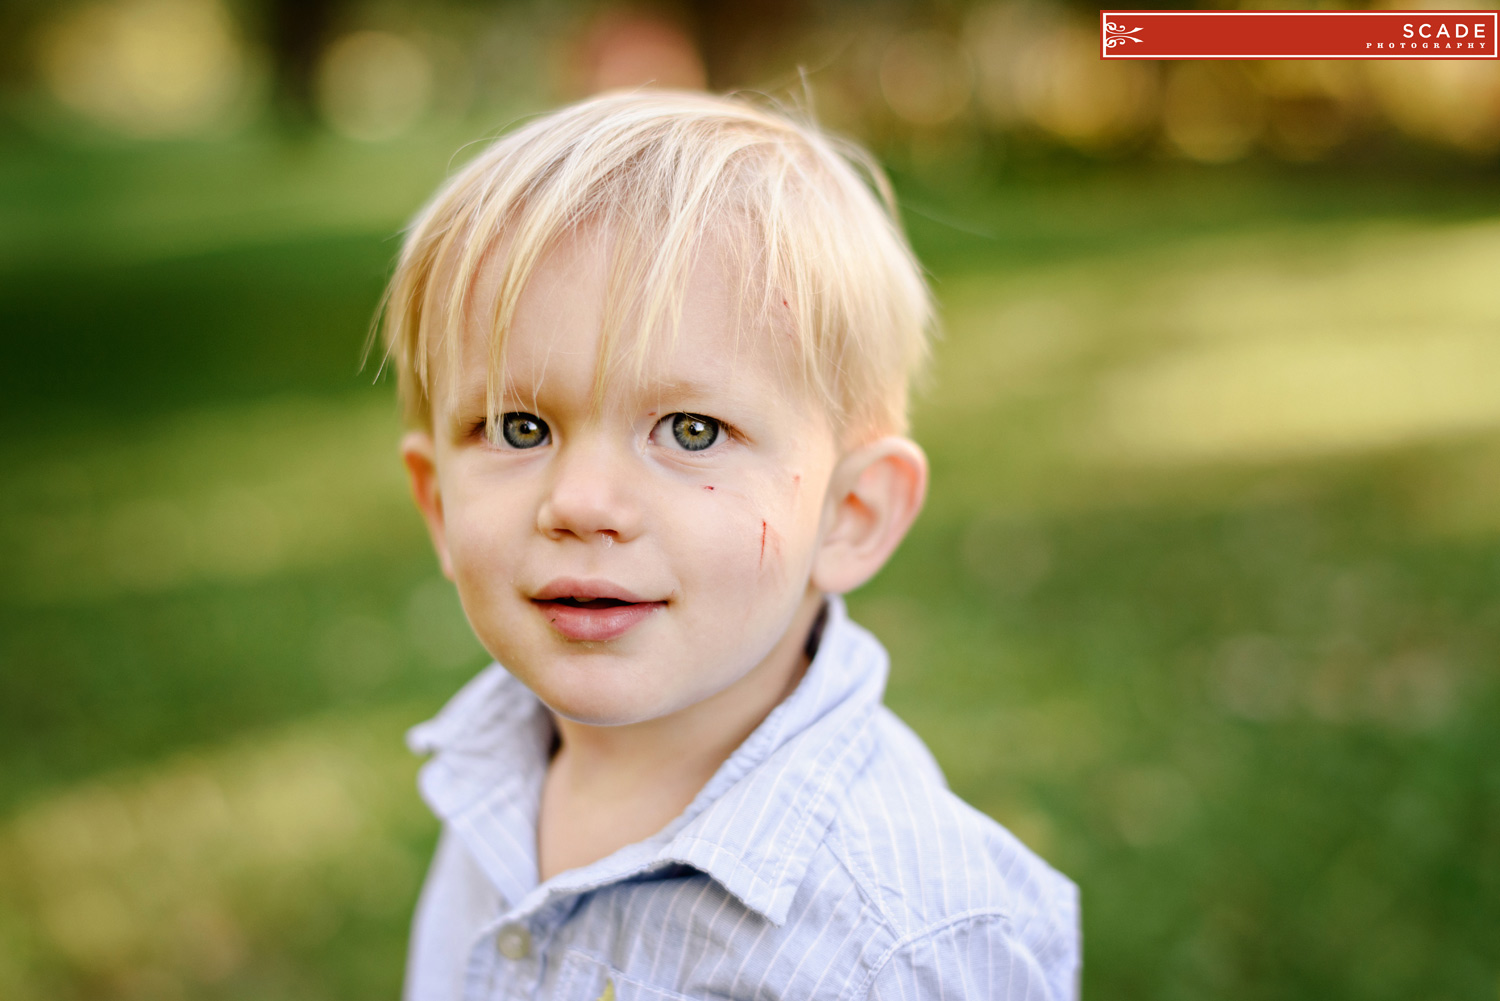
{"type": "Point", "coordinates": [596, 624]}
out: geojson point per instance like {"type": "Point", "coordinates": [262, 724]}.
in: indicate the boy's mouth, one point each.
{"type": "Point", "coordinates": [592, 611]}
{"type": "Point", "coordinates": [573, 602]}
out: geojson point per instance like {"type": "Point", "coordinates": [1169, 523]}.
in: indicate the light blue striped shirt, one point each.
{"type": "Point", "coordinates": [825, 859]}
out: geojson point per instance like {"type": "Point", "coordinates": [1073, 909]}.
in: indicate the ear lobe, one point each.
{"type": "Point", "coordinates": [874, 496]}
{"type": "Point", "coordinates": [419, 455]}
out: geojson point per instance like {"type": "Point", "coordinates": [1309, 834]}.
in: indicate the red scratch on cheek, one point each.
{"type": "Point", "coordinates": [708, 488]}
{"type": "Point", "coordinates": [763, 542]}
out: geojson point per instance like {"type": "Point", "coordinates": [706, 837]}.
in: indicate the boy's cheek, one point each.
{"type": "Point", "coordinates": [754, 540]}
{"type": "Point", "coordinates": [482, 573]}
{"type": "Point", "coordinates": [473, 541]}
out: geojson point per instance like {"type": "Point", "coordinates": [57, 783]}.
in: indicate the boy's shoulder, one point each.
{"type": "Point", "coordinates": [921, 887]}
{"type": "Point", "coordinates": [929, 861]}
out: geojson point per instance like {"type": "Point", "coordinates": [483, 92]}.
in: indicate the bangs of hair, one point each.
{"type": "Point", "coordinates": [808, 223]}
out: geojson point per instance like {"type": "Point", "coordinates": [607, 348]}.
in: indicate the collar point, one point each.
{"type": "Point", "coordinates": [780, 907]}
{"type": "Point", "coordinates": [739, 880]}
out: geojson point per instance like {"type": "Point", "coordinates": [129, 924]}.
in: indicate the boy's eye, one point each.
{"type": "Point", "coordinates": [523, 430]}
{"type": "Point", "coordinates": [693, 432]}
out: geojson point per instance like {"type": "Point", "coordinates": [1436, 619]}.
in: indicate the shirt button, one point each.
{"type": "Point", "coordinates": [514, 942]}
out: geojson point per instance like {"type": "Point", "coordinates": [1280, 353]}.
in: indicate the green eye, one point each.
{"type": "Point", "coordinates": [693, 432]}
{"type": "Point", "coordinates": [523, 430]}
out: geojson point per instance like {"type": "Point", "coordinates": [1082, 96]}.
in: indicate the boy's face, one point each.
{"type": "Point", "coordinates": [628, 561]}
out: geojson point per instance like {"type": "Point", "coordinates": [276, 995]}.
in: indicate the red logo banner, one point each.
{"type": "Point", "coordinates": [1279, 34]}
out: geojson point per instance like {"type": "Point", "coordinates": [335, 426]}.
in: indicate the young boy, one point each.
{"type": "Point", "coordinates": [654, 351]}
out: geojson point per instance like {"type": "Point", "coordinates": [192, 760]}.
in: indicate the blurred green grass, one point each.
{"type": "Point", "coordinates": [1204, 604]}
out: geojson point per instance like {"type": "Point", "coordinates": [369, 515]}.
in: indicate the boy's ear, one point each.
{"type": "Point", "coordinates": [873, 497]}
{"type": "Point", "coordinates": [420, 457]}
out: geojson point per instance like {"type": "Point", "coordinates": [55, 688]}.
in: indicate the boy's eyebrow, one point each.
{"type": "Point", "coordinates": [694, 393]}
{"type": "Point", "coordinates": [469, 402]}
{"type": "Point", "coordinates": [680, 387]}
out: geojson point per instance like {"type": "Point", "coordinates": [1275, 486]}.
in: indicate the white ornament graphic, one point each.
{"type": "Point", "coordinates": [1117, 34]}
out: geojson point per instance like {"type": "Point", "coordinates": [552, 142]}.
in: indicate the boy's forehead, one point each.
{"type": "Point", "coordinates": [720, 342]}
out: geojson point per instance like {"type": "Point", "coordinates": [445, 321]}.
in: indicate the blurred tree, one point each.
{"type": "Point", "coordinates": [736, 39]}
{"type": "Point", "coordinates": [296, 32]}
{"type": "Point", "coordinates": [18, 21]}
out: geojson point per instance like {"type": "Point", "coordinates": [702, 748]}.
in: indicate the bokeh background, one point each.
{"type": "Point", "coordinates": [1205, 605]}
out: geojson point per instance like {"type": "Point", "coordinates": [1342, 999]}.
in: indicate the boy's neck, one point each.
{"type": "Point", "coordinates": [610, 786]}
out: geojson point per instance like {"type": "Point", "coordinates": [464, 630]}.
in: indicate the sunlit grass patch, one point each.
{"type": "Point", "coordinates": [180, 879]}
{"type": "Point", "coordinates": [1391, 341]}
{"type": "Point", "coordinates": [1304, 394]}
{"type": "Point", "coordinates": [1269, 349]}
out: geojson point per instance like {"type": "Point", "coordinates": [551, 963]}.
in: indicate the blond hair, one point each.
{"type": "Point", "coordinates": [811, 219]}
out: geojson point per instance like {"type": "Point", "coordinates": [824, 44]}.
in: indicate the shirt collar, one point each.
{"type": "Point", "coordinates": [753, 828]}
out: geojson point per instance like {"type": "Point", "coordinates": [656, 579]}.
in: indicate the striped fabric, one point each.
{"type": "Point", "coordinates": [825, 859]}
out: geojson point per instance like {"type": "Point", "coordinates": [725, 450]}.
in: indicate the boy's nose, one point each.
{"type": "Point", "coordinates": [590, 496]}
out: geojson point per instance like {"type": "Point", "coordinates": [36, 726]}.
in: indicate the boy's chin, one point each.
{"type": "Point", "coordinates": [595, 708]}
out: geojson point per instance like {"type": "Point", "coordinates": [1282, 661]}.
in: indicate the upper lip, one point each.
{"type": "Point", "coordinates": [588, 589]}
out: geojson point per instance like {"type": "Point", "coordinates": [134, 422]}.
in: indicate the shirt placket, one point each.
{"type": "Point", "coordinates": [505, 963]}
{"type": "Point", "coordinates": [514, 954]}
